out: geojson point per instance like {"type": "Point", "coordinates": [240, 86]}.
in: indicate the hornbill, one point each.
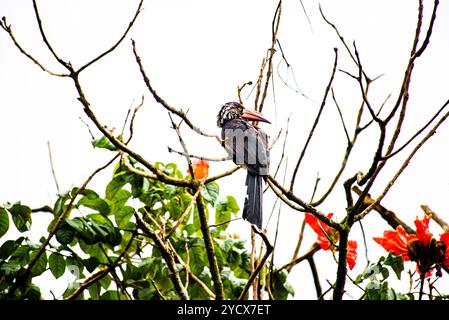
{"type": "Point", "coordinates": [248, 147]}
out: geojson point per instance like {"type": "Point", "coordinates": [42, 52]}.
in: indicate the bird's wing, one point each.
{"type": "Point", "coordinates": [247, 145]}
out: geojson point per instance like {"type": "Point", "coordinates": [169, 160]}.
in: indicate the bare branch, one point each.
{"type": "Point", "coordinates": [240, 88]}
{"type": "Point", "coordinates": [403, 167]}
{"type": "Point", "coordinates": [167, 256]}
{"type": "Point", "coordinates": [417, 133]}
{"type": "Point", "coordinates": [183, 145]}
{"type": "Point", "coordinates": [317, 119]}
{"type": "Point", "coordinates": [52, 167]}
{"type": "Point", "coordinates": [389, 216]}
{"type": "Point", "coordinates": [275, 29]}
{"type": "Point", "coordinates": [185, 213]}
{"type": "Point", "coordinates": [435, 217]}
{"type": "Point", "coordinates": [133, 117]}
{"type": "Point", "coordinates": [316, 279]}
{"type": "Point", "coordinates": [217, 159]}
{"type": "Point", "coordinates": [303, 206]}
{"type": "Point", "coordinates": [261, 263]}
{"type": "Point", "coordinates": [67, 65]}
{"type": "Point", "coordinates": [139, 9]}
{"type": "Point", "coordinates": [210, 250]}
{"type": "Point", "coordinates": [426, 41]}
{"type": "Point", "coordinates": [178, 112]}
{"type": "Point", "coordinates": [313, 249]}
{"type": "Point", "coordinates": [8, 29]}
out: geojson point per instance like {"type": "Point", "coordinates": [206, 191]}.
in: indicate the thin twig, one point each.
{"type": "Point", "coordinates": [216, 159]}
{"type": "Point", "coordinates": [183, 145]}
{"type": "Point", "coordinates": [260, 265]}
{"type": "Point", "coordinates": [167, 256]}
{"type": "Point", "coordinates": [316, 279]}
{"type": "Point", "coordinates": [161, 101]}
{"type": "Point", "coordinates": [403, 167]}
{"type": "Point", "coordinates": [313, 249]}
{"type": "Point", "coordinates": [274, 32]}
{"type": "Point", "coordinates": [52, 167]}
{"type": "Point", "coordinates": [317, 119]}
{"type": "Point", "coordinates": [139, 9]}
{"type": "Point", "coordinates": [435, 217]}
{"type": "Point", "coordinates": [185, 213]}
{"type": "Point", "coordinates": [8, 29]}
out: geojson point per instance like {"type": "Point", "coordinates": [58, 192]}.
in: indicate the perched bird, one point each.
{"type": "Point", "coordinates": [248, 147]}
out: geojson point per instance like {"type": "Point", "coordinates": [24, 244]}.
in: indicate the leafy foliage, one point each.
{"type": "Point", "coordinates": [101, 236]}
{"type": "Point", "coordinates": [377, 274]}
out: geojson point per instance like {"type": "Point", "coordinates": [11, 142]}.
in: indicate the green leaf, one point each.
{"type": "Point", "coordinates": [227, 203]}
{"type": "Point", "coordinates": [145, 293]}
{"type": "Point", "coordinates": [59, 206]}
{"type": "Point", "coordinates": [109, 295]}
{"type": "Point", "coordinates": [96, 204]}
{"type": "Point", "coordinates": [41, 264]}
{"type": "Point", "coordinates": [197, 258]}
{"type": "Point", "coordinates": [170, 169]}
{"type": "Point", "coordinates": [103, 143]}
{"type": "Point", "coordinates": [105, 282]}
{"type": "Point", "coordinates": [123, 216]}
{"type": "Point", "coordinates": [119, 200]}
{"type": "Point", "coordinates": [21, 215]}
{"type": "Point", "coordinates": [7, 249]}
{"type": "Point", "coordinates": [91, 263]}
{"type": "Point", "coordinates": [233, 286]}
{"type": "Point", "coordinates": [281, 287]}
{"type": "Point", "coordinates": [396, 263]}
{"type": "Point", "coordinates": [34, 293]}
{"type": "Point", "coordinates": [379, 290]}
{"type": "Point", "coordinates": [94, 291]}
{"type": "Point", "coordinates": [57, 264]}
{"type": "Point", "coordinates": [115, 185]}
{"type": "Point", "coordinates": [65, 234]}
{"type": "Point", "coordinates": [223, 209]}
{"type": "Point", "coordinates": [210, 192]}
{"type": "Point", "coordinates": [21, 255]}
{"type": "Point", "coordinates": [4, 222]}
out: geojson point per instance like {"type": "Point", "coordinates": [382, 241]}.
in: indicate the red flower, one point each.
{"type": "Point", "coordinates": [321, 229]}
{"type": "Point", "coordinates": [200, 169]}
{"type": "Point", "coordinates": [422, 230]}
{"type": "Point", "coordinates": [396, 242]}
{"type": "Point", "coordinates": [444, 238]}
{"type": "Point", "coordinates": [426, 251]}
{"type": "Point", "coordinates": [351, 255]}
{"type": "Point", "coordinates": [328, 236]}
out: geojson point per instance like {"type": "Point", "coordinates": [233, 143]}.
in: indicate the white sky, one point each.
{"type": "Point", "coordinates": [196, 53]}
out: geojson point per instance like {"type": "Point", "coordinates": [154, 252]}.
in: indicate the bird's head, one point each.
{"type": "Point", "coordinates": [234, 110]}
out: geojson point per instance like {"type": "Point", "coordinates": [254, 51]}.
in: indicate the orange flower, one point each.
{"type": "Point", "coordinates": [426, 251]}
{"type": "Point", "coordinates": [200, 169]}
{"type": "Point", "coordinates": [422, 230]}
{"type": "Point", "coordinates": [321, 229]}
{"type": "Point", "coordinates": [396, 242]}
{"type": "Point", "coordinates": [444, 238]}
{"type": "Point", "coordinates": [327, 236]}
{"type": "Point", "coordinates": [351, 254]}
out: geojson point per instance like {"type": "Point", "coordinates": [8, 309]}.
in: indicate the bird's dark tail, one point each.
{"type": "Point", "coordinates": [252, 210]}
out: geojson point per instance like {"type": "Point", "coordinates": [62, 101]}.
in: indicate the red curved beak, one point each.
{"type": "Point", "coordinates": [253, 116]}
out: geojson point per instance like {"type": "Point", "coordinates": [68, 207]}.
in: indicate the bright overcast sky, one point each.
{"type": "Point", "coordinates": [196, 53]}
